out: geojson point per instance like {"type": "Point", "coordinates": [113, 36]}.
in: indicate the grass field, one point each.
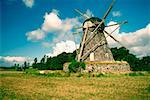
{"type": "Point", "coordinates": [22, 86]}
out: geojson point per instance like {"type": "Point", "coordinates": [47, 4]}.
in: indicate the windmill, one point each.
{"type": "Point", "coordinates": [94, 46]}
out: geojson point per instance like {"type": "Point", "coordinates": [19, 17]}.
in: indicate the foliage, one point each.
{"type": "Point", "coordinates": [54, 63]}
{"type": "Point", "coordinates": [136, 64]}
{"type": "Point", "coordinates": [57, 62]}
{"type": "Point", "coordinates": [75, 66]}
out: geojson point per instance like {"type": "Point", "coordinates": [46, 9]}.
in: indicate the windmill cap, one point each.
{"type": "Point", "coordinates": [93, 21]}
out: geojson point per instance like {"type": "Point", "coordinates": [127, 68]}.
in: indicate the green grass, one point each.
{"type": "Point", "coordinates": [23, 86]}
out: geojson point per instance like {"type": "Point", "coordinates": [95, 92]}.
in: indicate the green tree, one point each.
{"type": "Point", "coordinates": [35, 60]}
{"type": "Point", "coordinates": [145, 63]}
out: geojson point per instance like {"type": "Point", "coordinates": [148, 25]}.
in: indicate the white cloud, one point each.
{"type": "Point", "coordinates": [28, 3]}
{"type": "Point", "coordinates": [116, 13]}
{"type": "Point", "coordinates": [10, 60]}
{"type": "Point", "coordinates": [63, 46]}
{"type": "Point", "coordinates": [137, 42]}
{"type": "Point", "coordinates": [116, 34]}
{"type": "Point", "coordinates": [61, 28]}
{"type": "Point", "coordinates": [52, 22]}
{"type": "Point", "coordinates": [36, 35]}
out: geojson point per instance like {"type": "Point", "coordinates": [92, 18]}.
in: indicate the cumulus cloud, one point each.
{"type": "Point", "coordinates": [28, 3]}
{"type": "Point", "coordinates": [36, 35]}
{"type": "Point", "coordinates": [53, 24]}
{"type": "Point", "coordinates": [116, 34]}
{"type": "Point", "coordinates": [10, 60]}
{"type": "Point", "coordinates": [116, 13]}
{"type": "Point", "coordinates": [63, 46]}
{"type": "Point", "coordinates": [137, 42]}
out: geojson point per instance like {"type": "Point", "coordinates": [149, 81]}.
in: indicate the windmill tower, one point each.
{"type": "Point", "coordinates": [94, 46]}
{"type": "Point", "coordinates": [94, 49]}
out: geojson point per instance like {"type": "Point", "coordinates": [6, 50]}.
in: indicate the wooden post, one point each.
{"type": "Point", "coordinates": [93, 33]}
{"type": "Point", "coordinates": [82, 44]}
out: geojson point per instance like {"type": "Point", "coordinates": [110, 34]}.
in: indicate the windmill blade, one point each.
{"type": "Point", "coordinates": [109, 9]}
{"type": "Point", "coordinates": [82, 14]}
{"type": "Point", "coordinates": [114, 38]}
{"type": "Point", "coordinates": [93, 33]}
{"type": "Point", "coordinates": [82, 44]}
{"type": "Point", "coordinates": [124, 22]}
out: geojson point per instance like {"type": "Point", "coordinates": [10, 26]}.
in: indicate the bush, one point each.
{"type": "Point", "coordinates": [75, 66]}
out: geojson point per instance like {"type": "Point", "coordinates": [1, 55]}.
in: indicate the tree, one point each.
{"type": "Point", "coordinates": [56, 63]}
{"type": "Point", "coordinates": [145, 63]}
{"type": "Point", "coordinates": [136, 64]}
{"type": "Point", "coordinates": [43, 59]}
{"type": "Point", "coordinates": [25, 66]}
{"type": "Point", "coordinates": [34, 65]}
{"type": "Point", "coordinates": [35, 60]}
{"type": "Point", "coordinates": [120, 53]}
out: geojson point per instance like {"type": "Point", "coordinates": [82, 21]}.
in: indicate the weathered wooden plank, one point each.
{"type": "Point", "coordinates": [82, 44]}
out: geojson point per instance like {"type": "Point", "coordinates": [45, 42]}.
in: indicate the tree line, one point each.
{"type": "Point", "coordinates": [119, 54]}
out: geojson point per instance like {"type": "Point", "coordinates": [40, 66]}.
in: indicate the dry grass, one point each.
{"type": "Point", "coordinates": [21, 86]}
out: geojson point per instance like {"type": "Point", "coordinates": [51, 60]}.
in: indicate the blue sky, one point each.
{"type": "Point", "coordinates": [18, 17]}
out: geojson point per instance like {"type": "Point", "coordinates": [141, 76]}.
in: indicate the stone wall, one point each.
{"type": "Point", "coordinates": [105, 66]}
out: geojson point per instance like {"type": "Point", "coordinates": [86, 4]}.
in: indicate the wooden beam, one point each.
{"type": "Point", "coordinates": [114, 38]}
{"type": "Point", "coordinates": [109, 9]}
{"type": "Point", "coordinates": [82, 44]}
{"type": "Point", "coordinates": [93, 33]}
{"type": "Point", "coordinates": [120, 23]}
{"type": "Point", "coordinates": [91, 50]}
{"type": "Point", "coordinates": [82, 14]}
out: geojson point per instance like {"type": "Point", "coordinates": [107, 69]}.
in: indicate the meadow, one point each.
{"type": "Point", "coordinates": [18, 85]}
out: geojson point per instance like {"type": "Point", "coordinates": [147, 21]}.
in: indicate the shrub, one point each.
{"type": "Point", "coordinates": [75, 66]}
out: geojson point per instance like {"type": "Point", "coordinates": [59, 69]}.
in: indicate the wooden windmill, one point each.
{"type": "Point", "coordinates": [94, 46]}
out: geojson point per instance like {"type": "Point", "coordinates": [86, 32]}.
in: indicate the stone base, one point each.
{"type": "Point", "coordinates": [104, 66]}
